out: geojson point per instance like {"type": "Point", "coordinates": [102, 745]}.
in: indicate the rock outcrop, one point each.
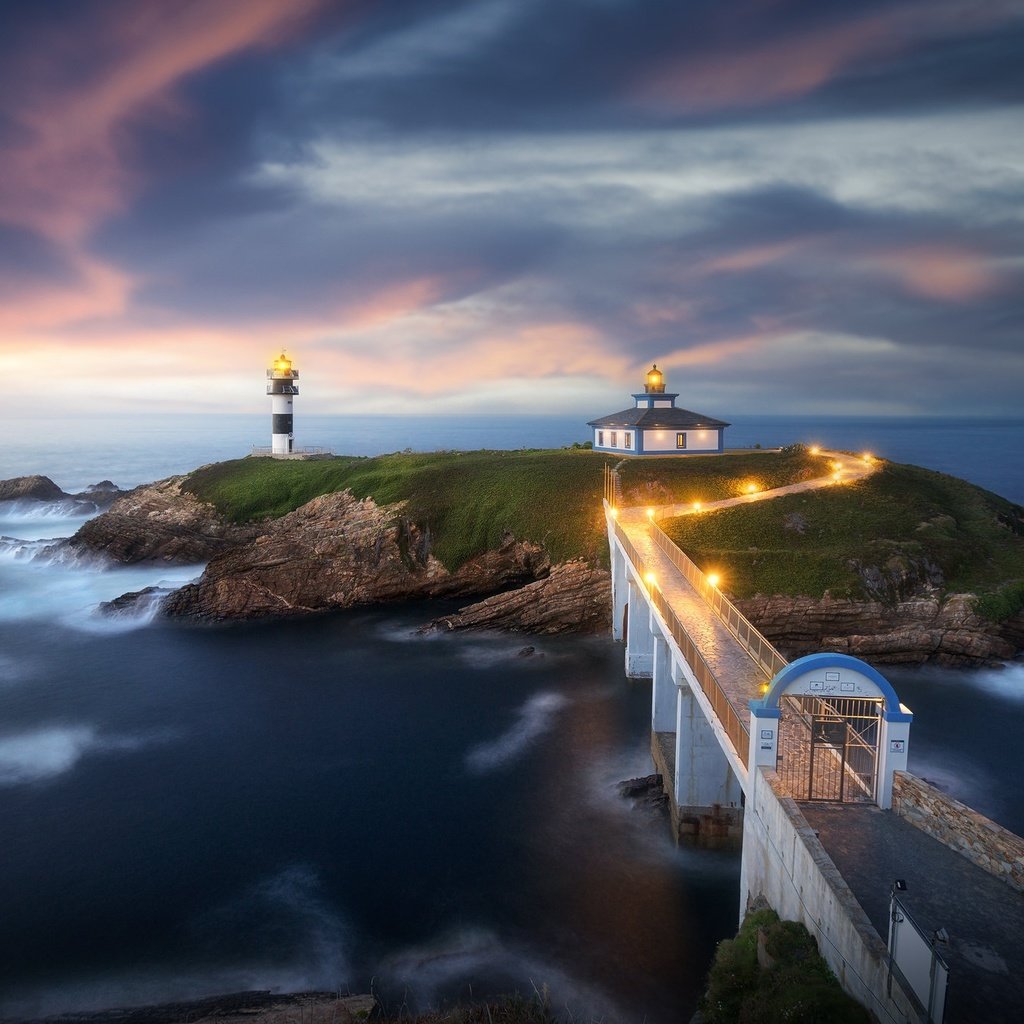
{"type": "Point", "coordinates": [913, 631]}
{"type": "Point", "coordinates": [36, 488]}
{"type": "Point", "coordinates": [339, 552]}
{"type": "Point", "coordinates": [157, 522]}
{"type": "Point", "coordinates": [574, 598]}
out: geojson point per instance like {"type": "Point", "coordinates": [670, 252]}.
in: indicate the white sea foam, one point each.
{"type": "Point", "coordinates": [532, 720]}
{"type": "Point", "coordinates": [29, 509]}
{"type": "Point", "coordinates": [50, 751]}
{"type": "Point", "coordinates": [429, 973]}
{"type": "Point", "coordinates": [34, 589]}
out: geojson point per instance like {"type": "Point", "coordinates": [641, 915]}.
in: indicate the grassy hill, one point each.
{"type": "Point", "coordinates": [882, 537]}
{"type": "Point", "coordinates": [469, 500]}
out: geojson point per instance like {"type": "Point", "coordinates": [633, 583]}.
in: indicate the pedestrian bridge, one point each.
{"type": "Point", "coordinates": [751, 745]}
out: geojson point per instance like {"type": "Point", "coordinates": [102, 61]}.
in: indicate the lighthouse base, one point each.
{"type": "Point", "coordinates": [297, 453]}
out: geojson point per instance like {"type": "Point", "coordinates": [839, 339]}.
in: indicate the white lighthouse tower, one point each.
{"type": "Point", "coordinates": [281, 387]}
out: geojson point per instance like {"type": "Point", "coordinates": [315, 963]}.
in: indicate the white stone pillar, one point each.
{"type": "Point", "coordinates": [663, 690]}
{"type": "Point", "coordinates": [764, 745]}
{"type": "Point", "coordinates": [893, 741]}
{"type": "Point", "coordinates": [704, 776]}
{"type": "Point", "coordinates": [620, 588]}
{"type": "Point", "coordinates": [639, 642]}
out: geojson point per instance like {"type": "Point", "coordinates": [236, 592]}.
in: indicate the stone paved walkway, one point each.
{"type": "Point", "coordinates": [737, 673]}
{"type": "Point", "coordinates": [983, 916]}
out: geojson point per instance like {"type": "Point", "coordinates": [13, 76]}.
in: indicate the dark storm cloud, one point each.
{"type": "Point", "coordinates": [763, 187]}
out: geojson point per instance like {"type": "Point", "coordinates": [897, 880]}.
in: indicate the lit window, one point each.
{"type": "Point", "coordinates": [681, 440]}
{"type": "Point", "coordinates": [614, 442]}
{"type": "Point", "coordinates": [600, 439]}
{"type": "Point", "coordinates": [627, 440]}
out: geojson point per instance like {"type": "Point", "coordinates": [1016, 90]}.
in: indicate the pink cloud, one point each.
{"type": "Point", "coordinates": [69, 166]}
{"type": "Point", "coordinates": [760, 73]}
{"type": "Point", "coordinates": [946, 273]}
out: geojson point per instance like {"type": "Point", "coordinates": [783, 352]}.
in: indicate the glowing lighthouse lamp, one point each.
{"type": "Point", "coordinates": [281, 387]}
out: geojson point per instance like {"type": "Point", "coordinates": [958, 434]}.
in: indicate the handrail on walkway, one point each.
{"type": "Point", "coordinates": [765, 656]}
{"type": "Point", "coordinates": [735, 728]}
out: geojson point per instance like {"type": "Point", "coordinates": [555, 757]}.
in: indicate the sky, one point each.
{"type": "Point", "coordinates": [444, 206]}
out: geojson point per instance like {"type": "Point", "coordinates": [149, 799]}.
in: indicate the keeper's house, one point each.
{"type": "Point", "coordinates": [654, 426]}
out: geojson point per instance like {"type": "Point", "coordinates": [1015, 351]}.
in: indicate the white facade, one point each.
{"type": "Point", "coordinates": [624, 439]}
{"type": "Point", "coordinates": [700, 440]}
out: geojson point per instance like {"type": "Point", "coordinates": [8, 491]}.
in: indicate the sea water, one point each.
{"type": "Point", "coordinates": [342, 803]}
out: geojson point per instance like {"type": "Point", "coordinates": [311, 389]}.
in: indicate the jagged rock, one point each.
{"type": "Point", "coordinates": [647, 793]}
{"type": "Point", "coordinates": [157, 522]}
{"type": "Point", "coordinates": [913, 631]}
{"type": "Point", "coordinates": [339, 552]}
{"type": "Point", "coordinates": [574, 598]}
{"type": "Point", "coordinates": [41, 488]}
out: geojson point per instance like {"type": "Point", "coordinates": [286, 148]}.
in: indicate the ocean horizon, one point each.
{"type": "Point", "coordinates": [77, 451]}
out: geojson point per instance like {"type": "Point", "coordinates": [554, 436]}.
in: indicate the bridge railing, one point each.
{"type": "Point", "coordinates": [765, 656]}
{"type": "Point", "coordinates": [735, 728]}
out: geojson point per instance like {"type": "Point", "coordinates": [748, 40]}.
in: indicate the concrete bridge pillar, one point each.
{"type": "Point", "coordinates": [620, 590]}
{"type": "Point", "coordinates": [639, 640]}
{"type": "Point", "coordinates": [663, 690]}
{"type": "Point", "coordinates": [707, 793]}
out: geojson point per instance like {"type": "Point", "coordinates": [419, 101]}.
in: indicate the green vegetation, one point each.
{"type": "Point", "coordinates": [467, 500]}
{"type": "Point", "coordinates": [708, 478]}
{"type": "Point", "coordinates": [881, 538]}
{"type": "Point", "coordinates": [470, 500]}
{"type": "Point", "coordinates": [795, 984]}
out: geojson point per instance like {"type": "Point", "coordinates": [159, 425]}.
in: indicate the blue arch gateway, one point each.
{"type": "Point", "coordinates": [834, 729]}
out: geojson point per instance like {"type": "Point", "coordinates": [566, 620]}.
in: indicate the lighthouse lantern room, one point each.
{"type": "Point", "coordinates": [282, 388]}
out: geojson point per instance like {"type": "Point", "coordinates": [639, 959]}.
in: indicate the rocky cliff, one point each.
{"type": "Point", "coordinates": [37, 488]}
{"type": "Point", "coordinates": [157, 522]}
{"type": "Point", "coordinates": [913, 631]}
{"type": "Point", "coordinates": [339, 552]}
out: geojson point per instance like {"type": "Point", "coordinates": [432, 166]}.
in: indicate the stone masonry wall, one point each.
{"type": "Point", "coordinates": [979, 839]}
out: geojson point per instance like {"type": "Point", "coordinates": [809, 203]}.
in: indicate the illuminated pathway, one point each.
{"type": "Point", "coordinates": [740, 735]}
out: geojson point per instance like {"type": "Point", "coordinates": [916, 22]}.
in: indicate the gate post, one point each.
{"type": "Point", "coordinates": [892, 752]}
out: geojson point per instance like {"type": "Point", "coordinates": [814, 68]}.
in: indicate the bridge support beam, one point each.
{"type": "Point", "coordinates": [620, 589]}
{"type": "Point", "coordinates": [639, 640]}
{"type": "Point", "coordinates": [663, 689]}
{"type": "Point", "coordinates": [708, 796]}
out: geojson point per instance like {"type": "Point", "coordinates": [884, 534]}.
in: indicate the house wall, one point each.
{"type": "Point", "coordinates": [620, 440]}
{"type": "Point", "coordinates": [706, 440]}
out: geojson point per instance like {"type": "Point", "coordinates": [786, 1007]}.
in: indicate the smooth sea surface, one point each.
{"type": "Point", "coordinates": [341, 803]}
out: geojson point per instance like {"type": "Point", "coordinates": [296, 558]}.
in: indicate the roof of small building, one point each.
{"type": "Point", "coordinates": [652, 419]}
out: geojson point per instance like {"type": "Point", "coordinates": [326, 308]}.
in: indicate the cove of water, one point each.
{"type": "Point", "coordinates": [338, 802]}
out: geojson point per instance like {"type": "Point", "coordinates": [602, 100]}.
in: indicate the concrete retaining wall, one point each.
{"type": "Point", "coordinates": [784, 862]}
{"type": "Point", "coordinates": [979, 839]}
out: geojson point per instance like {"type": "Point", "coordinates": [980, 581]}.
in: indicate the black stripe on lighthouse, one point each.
{"type": "Point", "coordinates": [282, 423]}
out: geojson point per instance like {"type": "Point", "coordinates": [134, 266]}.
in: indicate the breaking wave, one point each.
{"type": "Point", "coordinates": [48, 752]}
{"type": "Point", "coordinates": [533, 719]}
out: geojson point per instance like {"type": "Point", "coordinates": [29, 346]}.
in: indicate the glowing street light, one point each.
{"type": "Point", "coordinates": [650, 579]}
{"type": "Point", "coordinates": [615, 512]}
{"type": "Point", "coordinates": [714, 579]}
{"type": "Point", "coordinates": [815, 450]}
{"type": "Point", "coordinates": [650, 513]}
{"type": "Point", "coordinates": [752, 488]}
{"type": "Point", "coordinates": [697, 506]}
{"type": "Point", "coordinates": [868, 457]}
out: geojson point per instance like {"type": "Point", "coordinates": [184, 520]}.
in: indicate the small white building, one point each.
{"type": "Point", "coordinates": [654, 426]}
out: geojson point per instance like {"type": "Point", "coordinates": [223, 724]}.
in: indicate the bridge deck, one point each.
{"type": "Point", "coordinates": [737, 674]}
{"type": "Point", "coordinates": [983, 915]}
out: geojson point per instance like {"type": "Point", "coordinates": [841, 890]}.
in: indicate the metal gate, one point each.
{"type": "Point", "coordinates": [828, 747]}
